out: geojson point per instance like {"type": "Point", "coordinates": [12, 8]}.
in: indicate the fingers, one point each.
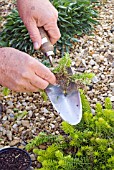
{"type": "Point", "coordinates": [34, 33]}
{"type": "Point", "coordinates": [44, 73]}
{"type": "Point", "coordinates": [53, 32]}
{"type": "Point", "coordinates": [38, 82]}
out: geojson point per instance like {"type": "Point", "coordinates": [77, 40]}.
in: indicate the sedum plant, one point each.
{"type": "Point", "coordinates": [76, 17]}
{"type": "Point", "coordinates": [88, 145]}
{"type": "Point", "coordinates": [65, 77]}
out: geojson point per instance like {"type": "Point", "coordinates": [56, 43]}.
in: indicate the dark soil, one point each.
{"type": "Point", "coordinates": [67, 84]}
{"type": "Point", "coordinates": [13, 159]}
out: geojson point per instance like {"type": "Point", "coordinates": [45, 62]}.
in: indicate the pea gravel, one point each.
{"type": "Point", "coordinates": [93, 54]}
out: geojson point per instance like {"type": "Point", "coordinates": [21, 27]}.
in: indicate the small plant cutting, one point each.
{"type": "Point", "coordinates": [88, 145]}
{"type": "Point", "coordinates": [65, 77]}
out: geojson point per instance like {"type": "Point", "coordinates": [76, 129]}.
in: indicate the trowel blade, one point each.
{"type": "Point", "coordinates": [68, 106]}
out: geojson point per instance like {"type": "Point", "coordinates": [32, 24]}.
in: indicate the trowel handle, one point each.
{"type": "Point", "coordinates": [46, 47]}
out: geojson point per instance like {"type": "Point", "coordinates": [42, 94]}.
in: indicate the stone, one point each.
{"type": "Point", "coordinates": [4, 132]}
{"type": "Point", "coordinates": [11, 117]}
{"type": "Point", "coordinates": [112, 72]}
{"type": "Point", "coordinates": [92, 62]}
{"type": "Point", "coordinates": [113, 64]}
{"type": "Point", "coordinates": [42, 118]}
{"type": "Point", "coordinates": [9, 111]}
{"type": "Point", "coordinates": [95, 79]}
{"type": "Point", "coordinates": [33, 157]}
{"type": "Point", "coordinates": [101, 57]}
{"type": "Point", "coordinates": [78, 61]}
{"type": "Point", "coordinates": [103, 76]}
{"type": "Point", "coordinates": [1, 147]}
{"type": "Point", "coordinates": [10, 103]}
{"type": "Point", "coordinates": [52, 126]}
{"type": "Point", "coordinates": [25, 123]}
{"type": "Point", "coordinates": [112, 85]}
{"type": "Point", "coordinates": [93, 111]}
{"type": "Point", "coordinates": [84, 62]}
{"type": "Point", "coordinates": [42, 147]}
{"type": "Point", "coordinates": [14, 142]}
{"type": "Point", "coordinates": [44, 110]}
{"type": "Point", "coordinates": [95, 67]}
{"type": "Point", "coordinates": [14, 126]}
{"type": "Point", "coordinates": [21, 129]}
{"type": "Point", "coordinates": [113, 91]}
{"type": "Point", "coordinates": [21, 147]}
{"type": "Point", "coordinates": [18, 122]}
{"type": "Point", "coordinates": [4, 118]}
{"type": "Point", "coordinates": [112, 98]}
{"type": "Point", "coordinates": [30, 113]}
{"type": "Point", "coordinates": [9, 134]}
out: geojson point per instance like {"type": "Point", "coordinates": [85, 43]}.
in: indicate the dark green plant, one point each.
{"type": "Point", "coordinates": [88, 145]}
{"type": "Point", "coordinates": [75, 18]}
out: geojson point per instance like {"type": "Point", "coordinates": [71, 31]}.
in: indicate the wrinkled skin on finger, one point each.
{"type": "Point", "coordinates": [39, 13]}
{"type": "Point", "coordinates": [22, 73]}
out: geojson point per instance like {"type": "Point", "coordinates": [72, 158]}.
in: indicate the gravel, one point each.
{"type": "Point", "coordinates": [93, 54]}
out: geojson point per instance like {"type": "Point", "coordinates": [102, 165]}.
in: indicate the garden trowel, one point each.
{"type": "Point", "coordinates": [67, 105]}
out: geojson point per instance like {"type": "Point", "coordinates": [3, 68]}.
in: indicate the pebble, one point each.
{"type": "Point", "coordinates": [52, 126]}
{"type": "Point", "coordinates": [42, 147]}
{"type": "Point", "coordinates": [9, 135]}
{"type": "Point", "coordinates": [102, 76]}
{"type": "Point", "coordinates": [10, 103]}
{"type": "Point", "coordinates": [4, 132]}
{"type": "Point", "coordinates": [4, 118]}
{"type": "Point", "coordinates": [112, 98]}
{"type": "Point", "coordinates": [30, 113]}
{"type": "Point", "coordinates": [112, 72]}
{"type": "Point", "coordinates": [42, 118]}
{"type": "Point", "coordinates": [112, 85]}
{"type": "Point", "coordinates": [44, 110]}
{"type": "Point", "coordinates": [33, 158]}
{"type": "Point", "coordinates": [95, 79]}
{"type": "Point", "coordinates": [21, 129]}
{"type": "Point", "coordinates": [18, 122]}
{"type": "Point", "coordinates": [84, 62]}
{"type": "Point", "coordinates": [78, 61]}
{"type": "Point", "coordinates": [113, 64]}
{"type": "Point", "coordinates": [92, 62]}
{"type": "Point", "coordinates": [14, 142]}
{"type": "Point", "coordinates": [25, 123]}
{"type": "Point", "coordinates": [96, 67]}
{"type": "Point", "coordinates": [113, 91]}
{"type": "Point", "coordinates": [14, 126]}
{"type": "Point", "coordinates": [9, 111]}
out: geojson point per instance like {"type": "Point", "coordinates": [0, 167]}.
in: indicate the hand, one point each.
{"type": "Point", "coordinates": [22, 73]}
{"type": "Point", "coordinates": [39, 13]}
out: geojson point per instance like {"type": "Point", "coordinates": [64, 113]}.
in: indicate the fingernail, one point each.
{"type": "Point", "coordinates": [55, 84]}
{"type": "Point", "coordinates": [36, 45]}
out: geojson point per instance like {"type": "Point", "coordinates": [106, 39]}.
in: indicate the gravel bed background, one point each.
{"type": "Point", "coordinates": [93, 54]}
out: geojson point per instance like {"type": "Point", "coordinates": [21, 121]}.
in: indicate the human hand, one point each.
{"type": "Point", "coordinates": [39, 13]}
{"type": "Point", "coordinates": [22, 73]}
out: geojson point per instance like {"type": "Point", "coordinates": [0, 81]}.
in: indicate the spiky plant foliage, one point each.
{"type": "Point", "coordinates": [88, 145]}
{"type": "Point", "coordinates": [76, 17]}
{"type": "Point", "coordinates": [15, 34]}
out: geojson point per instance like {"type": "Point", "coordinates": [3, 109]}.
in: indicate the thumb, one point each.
{"type": "Point", "coordinates": [34, 34]}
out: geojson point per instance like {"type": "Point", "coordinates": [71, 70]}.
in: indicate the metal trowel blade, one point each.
{"type": "Point", "coordinates": [68, 106]}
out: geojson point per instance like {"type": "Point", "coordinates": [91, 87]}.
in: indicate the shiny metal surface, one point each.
{"type": "Point", "coordinates": [68, 106]}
